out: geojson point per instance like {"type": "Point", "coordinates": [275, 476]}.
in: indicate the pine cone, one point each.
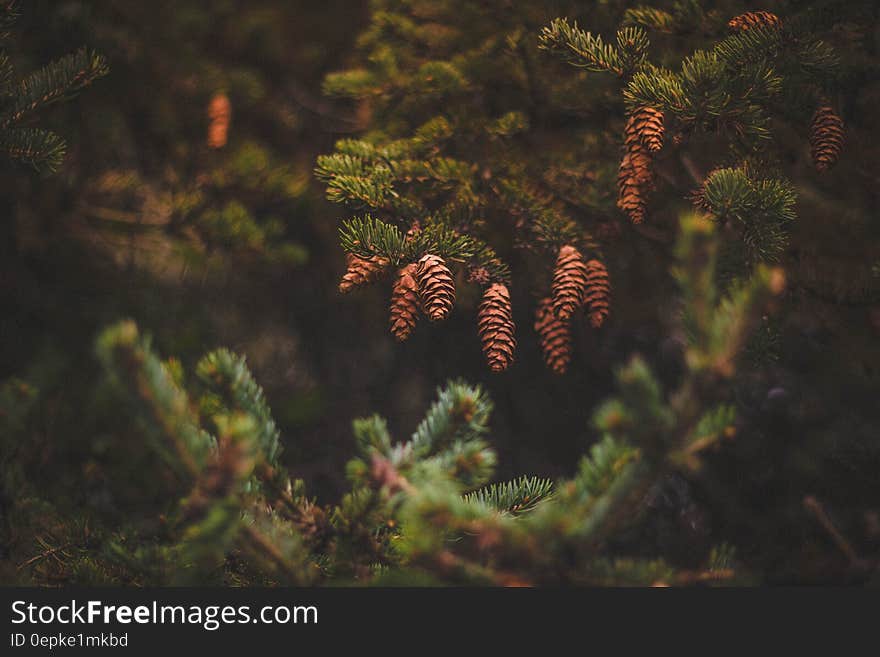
{"type": "Point", "coordinates": [404, 302]}
{"type": "Point", "coordinates": [496, 327]}
{"type": "Point", "coordinates": [598, 293]}
{"type": "Point", "coordinates": [752, 19]}
{"type": "Point", "coordinates": [632, 187]}
{"type": "Point", "coordinates": [635, 178]}
{"type": "Point", "coordinates": [555, 335]}
{"type": "Point", "coordinates": [361, 271]}
{"type": "Point", "coordinates": [826, 138]}
{"type": "Point", "coordinates": [219, 116]}
{"type": "Point", "coordinates": [569, 282]}
{"type": "Point", "coordinates": [436, 287]}
{"type": "Point", "coordinates": [645, 126]}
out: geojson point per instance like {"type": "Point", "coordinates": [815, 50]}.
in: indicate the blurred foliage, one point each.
{"type": "Point", "coordinates": [737, 105]}
{"type": "Point", "coordinates": [235, 246]}
{"type": "Point", "coordinates": [229, 512]}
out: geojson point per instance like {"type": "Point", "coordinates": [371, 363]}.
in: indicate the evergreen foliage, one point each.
{"type": "Point", "coordinates": [235, 515]}
{"type": "Point", "coordinates": [448, 149]}
{"type": "Point", "coordinates": [20, 98]}
{"type": "Point", "coordinates": [156, 175]}
{"type": "Point", "coordinates": [682, 155]}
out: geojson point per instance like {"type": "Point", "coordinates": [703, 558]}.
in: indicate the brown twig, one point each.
{"type": "Point", "coordinates": [50, 552]}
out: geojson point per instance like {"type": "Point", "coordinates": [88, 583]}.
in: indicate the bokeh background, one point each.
{"type": "Point", "coordinates": [255, 266]}
{"type": "Point", "coordinates": [237, 247]}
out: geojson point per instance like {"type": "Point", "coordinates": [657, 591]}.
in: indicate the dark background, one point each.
{"type": "Point", "coordinates": [68, 267]}
{"type": "Point", "coordinates": [322, 358]}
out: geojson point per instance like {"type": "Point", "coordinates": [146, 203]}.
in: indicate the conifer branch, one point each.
{"type": "Point", "coordinates": [650, 17]}
{"type": "Point", "coordinates": [40, 149]}
{"type": "Point", "coordinates": [513, 497]}
{"type": "Point", "coordinates": [9, 13]}
{"type": "Point", "coordinates": [56, 81]}
{"type": "Point", "coordinates": [164, 408]}
{"type": "Point", "coordinates": [227, 376]}
{"type": "Point", "coordinates": [460, 414]}
{"type": "Point", "coordinates": [367, 237]}
{"type": "Point", "coordinates": [580, 48]}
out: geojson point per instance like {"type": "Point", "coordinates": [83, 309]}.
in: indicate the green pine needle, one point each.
{"type": "Point", "coordinates": [513, 497]}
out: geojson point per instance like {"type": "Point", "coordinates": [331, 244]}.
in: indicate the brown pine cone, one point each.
{"type": "Point", "coordinates": [632, 187]}
{"type": "Point", "coordinates": [752, 19]}
{"type": "Point", "coordinates": [219, 116]}
{"type": "Point", "coordinates": [598, 293]}
{"type": "Point", "coordinates": [826, 138]}
{"type": "Point", "coordinates": [555, 336]}
{"type": "Point", "coordinates": [404, 302]}
{"type": "Point", "coordinates": [361, 271]}
{"type": "Point", "coordinates": [569, 282]}
{"type": "Point", "coordinates": [436, 287]}
{"type": "Point", "coordinates": [645, 126]}
{"type": "Point", "coordinates": [635, 178]}
{"type": "Point", "coordinates": [496, 327]}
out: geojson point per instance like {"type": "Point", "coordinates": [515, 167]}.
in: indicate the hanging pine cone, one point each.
{"type": "Point", "coordinates": [632, 187]}
{"type": "Point", "coordinates": [826, 138]}
{"type": "Point", "coordinates": [219, 116]}
{"type": "Point", "coordinates": [569, 282]}
{"type": "Point", "coordinates": [644, 126]}
{"type": "Point", "coordinates": [555, 336]}
{"type": "Point", "coordinates": [436, 287]}
{"type": "Point", "coordinates": [496, 328]}
{"type": "Point", "coordinates": [598, 293]}
{"type": "Point", "coordinates": [404, 302]}
{"type": "Point", "coordinates": [361, 271]}
{"type": "Point", "coordinates": [752, 19]}
{"type": "Point", "coordinates": [635, 178]}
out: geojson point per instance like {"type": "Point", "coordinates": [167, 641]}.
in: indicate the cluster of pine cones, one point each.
{"type": "Point", "coordinates": [643, 138]}
{"type": "Point", "coordinates": [427, 287]}
{"type": "Point", "coordinates": [644, 133]}
{"type": "Point", "coordinates": [576, 284]}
